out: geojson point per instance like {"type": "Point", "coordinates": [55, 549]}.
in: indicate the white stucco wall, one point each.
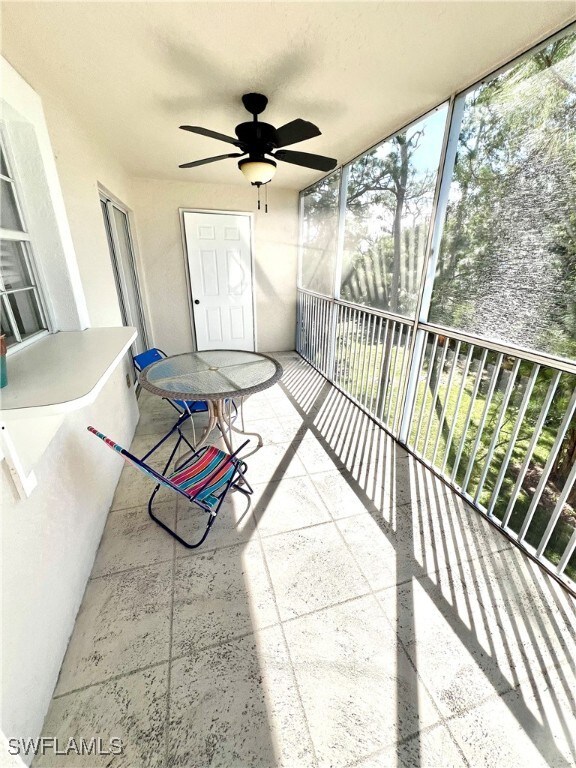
{"type": "Point", "coordinates": [156, 203]}
{"type": "Point", "coordinates": [49, 542]}
{"type": "Point", "coordinates": [82, 165]}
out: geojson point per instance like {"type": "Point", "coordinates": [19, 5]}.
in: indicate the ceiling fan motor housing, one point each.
{"type": "Point", "coordinates": [258, 137]}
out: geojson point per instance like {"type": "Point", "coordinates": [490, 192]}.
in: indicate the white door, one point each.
{"type": "Point", "coordinates": [220, 267]}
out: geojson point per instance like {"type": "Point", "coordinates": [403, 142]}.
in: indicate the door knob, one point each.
{"type": "Point", "coordinates": [196, 301]}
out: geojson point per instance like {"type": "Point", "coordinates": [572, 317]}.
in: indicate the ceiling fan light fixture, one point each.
{"type": "Point", "coordinates": [258, 171]}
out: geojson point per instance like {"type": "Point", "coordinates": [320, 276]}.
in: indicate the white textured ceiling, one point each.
{"type": "Point", "coordinates": [133, 72]}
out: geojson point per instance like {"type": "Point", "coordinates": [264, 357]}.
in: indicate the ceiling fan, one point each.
{"type": "Point", "coordinates": [264, 145]}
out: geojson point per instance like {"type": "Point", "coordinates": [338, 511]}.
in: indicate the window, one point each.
{"type": "Point", "coordinates": [389, 200]}
{"type": "Point", "coordinates": [507, 262]}
{"type": "Point", "coordinates": [320, 234]}
{"type": "Point", "coordinates": [21, 312]}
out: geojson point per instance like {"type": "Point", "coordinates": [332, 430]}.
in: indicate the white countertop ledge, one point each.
{"type": "Point", "coordinates": [63, 371]}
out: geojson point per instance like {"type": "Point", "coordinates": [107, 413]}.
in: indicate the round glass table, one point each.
{"type": "Point", "coordinates": [217, 377]}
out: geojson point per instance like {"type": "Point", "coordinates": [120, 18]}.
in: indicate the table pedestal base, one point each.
{"type": "Point", "coordinates": [220, 415]}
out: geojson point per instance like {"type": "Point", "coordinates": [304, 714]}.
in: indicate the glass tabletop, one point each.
{"type": "Point", "coordinates": [211, 375]}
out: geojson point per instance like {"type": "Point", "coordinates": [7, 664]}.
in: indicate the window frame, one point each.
{"type": "Point", "coordinates": [21, 237]}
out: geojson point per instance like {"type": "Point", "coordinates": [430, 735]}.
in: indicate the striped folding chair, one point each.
{"type": "Point", "coordinates": [204, 479]}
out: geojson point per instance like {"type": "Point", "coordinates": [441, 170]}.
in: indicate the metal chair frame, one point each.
{"type": "Point", "coordinates": [237, 480]}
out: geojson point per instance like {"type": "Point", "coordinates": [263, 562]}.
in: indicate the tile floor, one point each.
{"type": "Point", "coordinates": [356, 613]}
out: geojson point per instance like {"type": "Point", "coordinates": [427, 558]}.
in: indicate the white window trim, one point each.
{"type": "Point", "coordinates": [23, 236]}
{"type": "Point", "coordinates": [47, 226]}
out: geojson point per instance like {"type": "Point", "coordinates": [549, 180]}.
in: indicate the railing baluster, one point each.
{"type": "Point", "coordinates": [480, 428]}
{"type": "Point", "coordinates": [497, 428]}
{"type": "Point", "coordinates": [308, 330]}
{"type": "Point", "coordinates": [457, 408]}
{"type": "Point", "coordinates": [333, 335]}
{"type": "Point", "coordinates": [535, 437]}
{"type": "Point", "coordinates": [426, 386]}
{"type": "Point", "coordinates": [397, 408]}
{"type": "Point", "coordinates": [513, 438]}
{"type": "Point", "coordinates": [366, 363]}
{"type": "Point", "coordinates": [318, 337]}
{"type": "Point", "coordinates": [375, 372]}
{"type": "Point", "coordinates": [327, 336]}
{"type": "Point", "coordinates": [371, 362]}
{"type": "Point", "coordinates": [381, 382]}
{"type": "Point", "coordinates": [345, 349]}
{"type": "Point", "coordinates": [548, 466]}
{"type": "Point", "coordinates": [387, 376]}
{"type": "Point", "coordinates": [324, 335]}
{"type": "Point", "coordinates": [435, 394]}
{"type": "Point", "coordinates": [568, 552]}
{"type": "Point", "coordinates": [557, 511]}
{"type": "Point", "coordinates": [354, 371]}
{"type": "Point", "coordinates": [365, 332]}
{"type": "Point", "coordinates": [455, 356]}
{"type": "Point", "coordinates": [393, 379]}
{"type": "Point", "coordinates": [361, 351]}
{"type": "Point", "coordinates": [481, 363]}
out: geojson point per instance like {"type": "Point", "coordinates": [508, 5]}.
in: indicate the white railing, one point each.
{"type": "Point", "coordinates": [499, 427]}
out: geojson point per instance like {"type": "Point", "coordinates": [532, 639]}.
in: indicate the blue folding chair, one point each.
{"type": "Point", "coordinates": [154, 354]}
{"type": "Point", "coordinates": [204, 479]}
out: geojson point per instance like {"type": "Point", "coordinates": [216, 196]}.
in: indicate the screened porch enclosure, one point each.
{"type": "Point", "coordinates": [437, 289]}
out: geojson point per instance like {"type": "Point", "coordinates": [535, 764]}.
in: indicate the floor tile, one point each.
{"type": "Point", "coordinates": [316, 455]}
{"type": "Point", "coordinates": [373, 551]}
{"type": "Point", "coordinates": [123, 625]}
{"type": "Point", "coordinates": [534, 725]}
{"type": "Point", "coordinates": [288, 505]}
{"type": "Point", "coordinates": [236, 705]}
{"type": "Point", "coordinates": [234, 524]}
{"type": "Point", "coordinates": [256, 410]}
{"type": "Point", "coordinates": [135, 487]}
{"type": "Point", "coordinates": [271, 430]}
{"type": "Point", "coordinates": [537, 617]}
{"type": "Point", "coordinates": [339, 493]}
{"type": "Point", "coordinates": [359, 691]}
{"type": "Point", "coordinates": [130, 708]}
{"type": "Point", "coordinates": [132, 539]}
{"type": "Point", "coordinates": [431, 748]}
{"type": "Point", "coordinates": [273, 463]}
{"type": "Point", "coordinates": [452, 638]}
{"type": "Point", "coordinates": [417, 539]}
{"type": "Point", "coordinates": [220, 595]}
{"type": "Point", "coordinates": [310, 569]}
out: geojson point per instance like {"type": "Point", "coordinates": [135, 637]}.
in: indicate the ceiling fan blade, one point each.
{"type": "Point", "coordinates": [210, 134]}
{"type": "Point", "coordinates": [206, 160]}
{"type": "Point", "coordinates": [295, 131]}
{"type": "Point", "coordinates": [305, 159]}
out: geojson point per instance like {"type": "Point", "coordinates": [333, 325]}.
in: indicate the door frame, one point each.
{"type": "Point", "coordinates": [117, 267]}
{"type": "Point", "coordinates": [218, 211]}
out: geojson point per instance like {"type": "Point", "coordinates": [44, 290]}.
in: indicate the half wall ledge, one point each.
{"type": "Point", "coordinates": [61, 373]}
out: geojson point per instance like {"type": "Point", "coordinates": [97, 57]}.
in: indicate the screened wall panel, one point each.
{"type": "Point", "coordinates": [319, 222]}
{"type": "Point", "coordinates": [389, 198]}
{"type": "Point", "coordinates": [507, 264]}
{"type": "Point", "coordinates": [481, 385]}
